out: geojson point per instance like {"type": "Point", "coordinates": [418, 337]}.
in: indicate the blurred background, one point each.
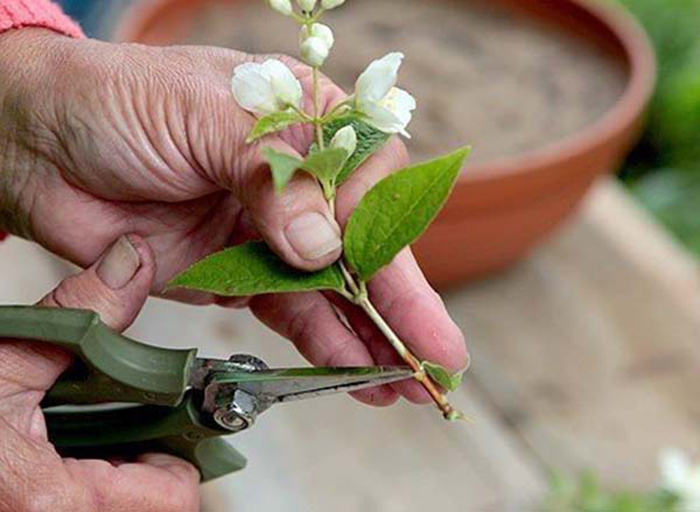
{"type": "Point", "coordinates": [585, 334]}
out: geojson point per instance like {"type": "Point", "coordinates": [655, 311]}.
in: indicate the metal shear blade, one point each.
{"type": "Point", "coordinates": [292, 384]}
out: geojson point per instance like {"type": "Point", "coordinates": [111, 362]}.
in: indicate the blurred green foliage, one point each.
{"type": "Point", "coordinates": [587, 495]}
{"type": "Point", "coordinates": [664, 170]}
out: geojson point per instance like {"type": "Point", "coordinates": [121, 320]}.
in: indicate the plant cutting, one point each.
{"type": "Point", "coordinates": [391, 216]}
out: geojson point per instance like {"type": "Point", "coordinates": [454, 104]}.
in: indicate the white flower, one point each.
{"type": "Point", "coordinates": [331, 4]}
{"type": "Point", "coordinates": [314, 51]}
{"type": "Point", "coordinates": [266, 88]}
{"type": "Point", "coordinates": [307, 5]}
{"type": "Point", "coordinates": [318, 30]}
{"type": "Point", "coordinates": [681, 478]}
{"type": "Point", "coordinates": [388, 108]}
{"type": "Point", "coordinates": [345, 138]}
{"type": "Point", "coordinates": [282, 6]}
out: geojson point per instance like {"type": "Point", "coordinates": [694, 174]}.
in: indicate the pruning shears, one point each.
{"type": "Point", "coordinates": [122, 397]}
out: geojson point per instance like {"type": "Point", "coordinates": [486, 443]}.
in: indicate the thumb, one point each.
{"type": "Point", "coordinates": [115, 287]}
{"type": "Point", "coordinates": [296, 223]}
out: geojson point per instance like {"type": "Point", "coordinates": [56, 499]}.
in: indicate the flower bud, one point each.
{"type": "Point", "coordinates": [314, 51]}
{"type": "Point", "coordinates": [345, 138]}
{"type": "Point", "coordinates": [318, 30]}
{"type": "Point", "coordinates": [307, 5]}
{"type": "Point", "coordinates": [282, 6]}
{"type": "Point", "coordinates": [331, 4]}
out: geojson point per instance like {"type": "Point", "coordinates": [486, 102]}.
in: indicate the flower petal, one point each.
{"type": "Point", "coordinates": [282, 6]}
{"type": "Point", "coordinates": [253, 90]}
{"type": "Point", "coordinates": [379, 77]}
{"type": "Point", "coordinates": [285, 86]}
{"type": "Point", "coordinates": [401, 103]}
{"type": "Point", "coordinates": [307, 5]}
{"type": "Point", "coordinates": [314, 51]}
{"type": "Point", "coordinates": [382, 118]}
{"type": "Point", "coordinates": [393, 113]}
{"type": "Point", "coordinates": [332, 4]}
{"type": "Point", "coordinates": [324, 32]}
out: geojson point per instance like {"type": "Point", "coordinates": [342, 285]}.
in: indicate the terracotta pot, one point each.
{"type": "Point", "coordinates": [501, 208]}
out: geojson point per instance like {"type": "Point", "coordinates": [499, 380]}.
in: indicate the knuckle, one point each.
{"type": "Point", "coordinates": [75, 291]}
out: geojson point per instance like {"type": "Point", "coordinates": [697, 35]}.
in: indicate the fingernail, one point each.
{"type": "Point", "coordinates": [313, 236]}
{"type": "Point", "coordinates": [119, 265]}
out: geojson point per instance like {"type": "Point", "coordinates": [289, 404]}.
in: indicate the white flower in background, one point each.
{"type": "Point", "coordinates": [331, 4]}
{"type": "Point", "coordinates": [345, 138]}
{"type": "Point", "coordinates": [319, 30]}
{"type": "Point", "coordinates": [307, 5]}
{"type": "Point", "coordinates": [266, 88]}
{"type": "Point", "coordinates": [681, 478]}
{"type": "Point", "coordinates": [387, 107]}
{"type": "Point", "coordinates": [282, 6]}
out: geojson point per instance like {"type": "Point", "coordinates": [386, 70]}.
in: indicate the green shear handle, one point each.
{"type": "Point", "coordinates": [110, 367]}
{"type": "Point", "coordinates": [113, 368]}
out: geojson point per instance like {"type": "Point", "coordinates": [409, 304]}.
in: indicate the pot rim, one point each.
{"type": "Point", "coordinates": [622, 116]}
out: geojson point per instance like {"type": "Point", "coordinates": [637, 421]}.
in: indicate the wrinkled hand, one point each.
{"type": "Point", "coordinates": [32, 475]}
{"type": "Point", "coordinates": [105, 139]}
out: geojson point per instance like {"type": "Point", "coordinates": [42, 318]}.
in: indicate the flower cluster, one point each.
{"type": "Point", "coordinates": [345, 136]}
{"type": "Point", "coordinates": [271, 87]}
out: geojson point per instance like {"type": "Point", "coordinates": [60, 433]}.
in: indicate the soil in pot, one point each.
{"type": "Point", "coordinates": [482, 75]}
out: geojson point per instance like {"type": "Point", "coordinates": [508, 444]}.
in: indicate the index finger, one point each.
{"type": "Point", "coordinates": [154, 483]}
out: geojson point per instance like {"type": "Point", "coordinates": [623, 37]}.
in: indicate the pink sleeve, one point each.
{"type": "Point", "coordinates": [36, 13]}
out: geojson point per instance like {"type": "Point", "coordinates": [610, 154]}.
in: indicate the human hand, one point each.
{"type": "Point", "coordinates": [105, 139]}
{"type": "Point", "coordinates": [32, 475]}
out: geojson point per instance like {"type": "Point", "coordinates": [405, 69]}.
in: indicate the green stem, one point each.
{"type": "Point", "coordinates": [356, 292]}
{"type": "Point", "coordinates": [337, 111]}
{"type": "Point", "coordinates": [319, 15]}
{"type": "Point", "coordinates": [350, 281]}
{"type": "Point", "coordinates": [306, 117]}
{"type": "Point", "coordinates": [317, 111]}
{"type": "Point", "coordinates": [420, 375]}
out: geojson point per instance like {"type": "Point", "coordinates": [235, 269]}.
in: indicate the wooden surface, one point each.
{"type": "Point", "coordinates": [586, 355]}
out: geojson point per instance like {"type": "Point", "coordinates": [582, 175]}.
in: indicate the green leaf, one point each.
{"type": "Point", "coordinates": [253, 269]}
{"type": "Point", "coordinates": [282, 166]}
{"type": "Point", "coordinates": [326, 164]}
{"type": "Point", "coordinates": [369, 141]}
{"type": "Point", "coordinates": [456, 415]}
{"type": "Point", "coordinates": [441, 375]}
{"type": "Point", "coordinates": [273, 123]}
{"type": "Point", "coordinates": [397, 210]}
